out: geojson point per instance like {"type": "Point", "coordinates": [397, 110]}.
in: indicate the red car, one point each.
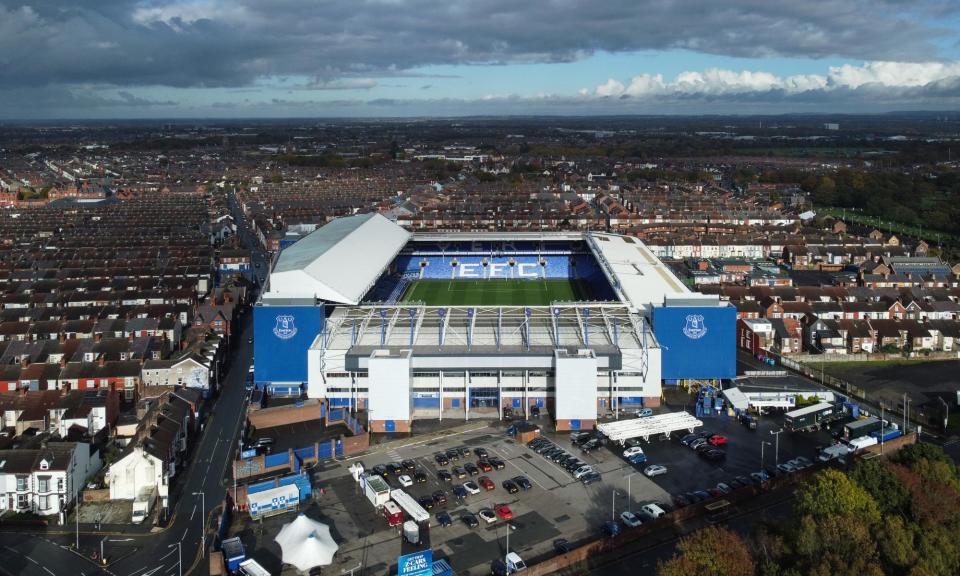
{"type": "Point", "coordinates": [487, 483]}
{"type": "Point", "coordinates": [718, 440]}
{"type": "Point", "coordinates": [503, 511]}
{"type": "Point", "coordinates": [484, 465]}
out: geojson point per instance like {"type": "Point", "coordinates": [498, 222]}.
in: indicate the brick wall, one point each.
{"type": "Point", "coordinates": [355, 444]}
{"type": "Point", "coordinates": [399, 426]}
{"type": "Point", "coordinates": [564, 425]}
{"type": "Point", "coordinates": [271, 417]}
{"type": "Point", "coordinates": [102, 495]}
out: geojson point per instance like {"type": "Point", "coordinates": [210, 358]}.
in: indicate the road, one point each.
{"type": "Point", "coordinates": [141, 554]}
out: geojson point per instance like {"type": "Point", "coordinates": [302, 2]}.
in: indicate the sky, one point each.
{"type": "Point", "coordinates": [103, 59]}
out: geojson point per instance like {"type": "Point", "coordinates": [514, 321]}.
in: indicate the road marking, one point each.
{"type": "Point", "coordinates": [184, 533]}
{"type": "Point", "coordinates": [48, 571]}
{"type": "Point", "coordinates": [165, 556]}
{"type": "Point", "coordinates": [31, 559]}
{"type": "Point", "coordinates": [194, 511]}
{"type": "Point", "coordinates": [525, 473]}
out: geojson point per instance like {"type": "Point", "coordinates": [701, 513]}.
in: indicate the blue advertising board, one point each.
{"type": "Point", "coordinates": [416, 564]}
{"type": "Point", "coordinates": [697, 341]}
{"type": "Point", "coordinates": [281, 337]}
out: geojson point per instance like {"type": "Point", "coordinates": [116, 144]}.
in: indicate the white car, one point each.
{"type": "Point", "coordinates": [654, 470]}
{"type": "Point", "coordinates": [644, 412]}
{"type": "Point", "coordinates": [471, 487]}
{"type": "Point", "coordinates": [633, 451]}
{"type": "Point", "coordinates": [581, 471]}
{"type": "Point", "coordinates": [630, 519]}
{"type": "Point", "coordinates": [488, 515]}
{"type": "Point", "coordinates": [405, 481]}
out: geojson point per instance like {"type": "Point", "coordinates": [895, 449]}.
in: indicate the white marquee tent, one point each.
{"type": "Point", "coordinates": [306, 544]}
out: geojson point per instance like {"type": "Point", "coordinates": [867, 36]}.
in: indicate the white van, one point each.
{"type": "Point", "coordinates": [653, 511]}
{"type": "Point", "coordinates": [515, 563]}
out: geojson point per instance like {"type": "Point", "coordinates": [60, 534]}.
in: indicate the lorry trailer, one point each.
{"type": "Point", "coordinates": [813, 416]}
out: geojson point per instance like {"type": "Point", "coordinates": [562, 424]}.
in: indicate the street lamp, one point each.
{"type": "Point", "coordinates": [776, 460]}
{"type": "Point", "coordinates": [762, 444]}
{"type": "Point", "coordinates": [629, 499]}
{"type": "Point", "coordinates": [203, 522]}
{"type": "Point", "coordinates": [179, 557]}
{"type": "Point", "coordinates": [613, 499]}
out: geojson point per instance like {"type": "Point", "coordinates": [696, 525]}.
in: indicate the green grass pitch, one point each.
{"type": "Point", "coordinates": [495, 292]}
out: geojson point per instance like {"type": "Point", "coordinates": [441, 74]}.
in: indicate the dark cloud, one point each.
{"type": "Point", "coordinates": [216, 43]}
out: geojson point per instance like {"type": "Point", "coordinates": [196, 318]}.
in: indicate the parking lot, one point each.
{"type": "Point", "coordinates": [555, 506]}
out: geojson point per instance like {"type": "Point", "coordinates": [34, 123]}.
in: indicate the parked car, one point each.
{"type": "Point", "coordinates": [444, 476]}
{"type": "Point", "coordinates": [631, 442]}
{"type": "Point", "coordinates": [637, 458]}
{"type": "Point", "coordinates": [534, 411]}
{"type": "Point", "coordinates": [689, 438]}
{"type": "Point", "coordinates": [497, 463]}
{"type": "Point", "coordinates": [644, 412]}
{"type": "Point", "coordinates": [679, 500]}
{"type": "Point", "coordinates": [481, 452]}
{"type": "Point", "coordinates": [408, 465]}
{"type": "Point", "coordinates": [630, 519]}
{"type": "Point", "coordinates": [452, 454]}
{"type": "Point", "coordinates": [471, 469]}
{"type": "Point", "coordinates": [488, 515]}
{"type": "Point", "coordinates": [458, 472]}
{"type": "Point", "coordinates": [714, 455]}
{"type": "Point", "coordinates": [591, 445]}
{"type": "Point", "coordinates": [522, 482]}
{"type": "Point", "coordinates": [486, 483]}
{"type": "Point", "coordinates": [503, 511]}
{"type": "Point", "coordinates": [610, 529]}
{"type": "Point", "coordinates": [590, 478]}
{"type": "Point", "coordinates": [426, 502]}
{"type": "Point", "coordinates": [575, 436]}
{"type": "Point", "coordinates": [652, 511]}
{"type": "Point", "coordinates": [380, 470]}
{"type": "Point", "coordinates": [703, 495]}
{"type": "Point", "coordinates": [654, 470]}
{"type": "Point", "coordinates": [440, 497]}
{"type": "Point", "coordinates": [484, 466]}
{"type": "Point", "coordinates": [394, 469]}
{"type": "Point", "coordinates": [718, 440]}
{"type": "Point", "coordinates": [724, 488]}
{"type": "Point", "coordinates": [786, 467]}
{"type": "Point", "coordinates": [471, 487]}
{"type": "Point", "coordinates": [802, 462]}
{"type": "Point", "coordinates": [405, 481]}
{"type": "Point", "coordinates": [441, 459]}
{"type": "Point", "coordinates": [420, 477]}
{"type": "Point", "coordinates": [698, 443]}
{"type": "Point", "coordinates": [632, 451]}
{"type": "Point", "coordinates": [460, 492]}
{"type": "Point", "coordinates": [469, 519]}
{"type": "Point", "coordinates": [443, 517]}
{"type": "Point", "coordinates": [510, 486]}
{"type": "Point", "coordinates": [581, 471]}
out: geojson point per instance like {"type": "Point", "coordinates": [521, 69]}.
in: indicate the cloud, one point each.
{"type": "Point", "coordinates": [214, 43]}
{"type": "Point", "coordinates": [895, 77]}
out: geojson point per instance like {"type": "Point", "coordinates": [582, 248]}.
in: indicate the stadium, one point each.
{"type": "Point", "coordinates": [367, 315]}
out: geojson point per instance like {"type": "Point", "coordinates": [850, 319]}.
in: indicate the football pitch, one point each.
{"type": "Point", "coordinates": [496, 292]}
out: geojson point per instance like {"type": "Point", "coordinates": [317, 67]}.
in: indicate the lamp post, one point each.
{"type": "Point", "coordinates": [776, 452]}
{"type": "Point", "coordinates": [762, 444]}
{"type": "Point", "coordinates": [613, 499]}
{"type": "Point", "coordinates": [179, 557]}
{"type": "Point", "coordinates": [203, 522]}
{"type": "Point", "coordinates": [629, 499]}
{"type": "Point", "coordinates": [77, 518]}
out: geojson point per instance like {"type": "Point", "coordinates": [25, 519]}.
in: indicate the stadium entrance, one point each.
{"type": "Point", "coordinates": [484, 397]}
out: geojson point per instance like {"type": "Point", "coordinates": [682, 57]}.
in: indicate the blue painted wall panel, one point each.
{"type": "Point", "coordinates": [271, 460]}
{"type": "Point", "coordinates": [282, 335]}
{"type": "Point", "coordinates": [697, 342]}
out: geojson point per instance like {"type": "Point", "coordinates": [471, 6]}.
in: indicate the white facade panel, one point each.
{"type": "Point", "coordinates": [389, 385]}
{"type": "Point", "coordinates": [576, 392]}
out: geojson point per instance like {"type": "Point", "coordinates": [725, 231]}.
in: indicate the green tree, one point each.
{"type": "Point", "coordinates": [897, 543]}
{"type": "Point", "coordinates": [711, 551]}
{"type": "Point", "coordinates": [883, 485]}
{"type": "Point", "coordinates": [831, 492]}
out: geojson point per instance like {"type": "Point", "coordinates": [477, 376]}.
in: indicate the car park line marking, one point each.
{"type": "Point", "coordinates": [164, 557]}
{"type": "Point", "coordinates": [48, 571]}
{"type": "Point", "coordinates": [194, 511]}
{"type": "Point", "coordinates": [525, 473]}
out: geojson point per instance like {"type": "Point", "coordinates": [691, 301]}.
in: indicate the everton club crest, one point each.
{"type": "Point", "coordinates": [695, 329]}
{"type": "Point", "coordinates": [285, 328]}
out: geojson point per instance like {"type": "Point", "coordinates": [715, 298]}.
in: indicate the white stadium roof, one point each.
{"type": "Point", "coordinates": [340, 261]}
{"type": "Point", "coordinates": [634, 271]}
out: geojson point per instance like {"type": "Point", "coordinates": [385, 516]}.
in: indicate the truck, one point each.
{"type": "Point", "coordinates": [812, 417]}
{"type": "Point", "coordinates": [886, 434]}
{"type": "Point", "coordinates": [376, 489]}
{"type": "Point", "coordinates": [233, 553]}
{"type": "Point", "coordinates": [861, 442]}
{"type": "Point", "coordinates": [251, 567]}
{"type": "Point", "coordinates": [838, 450]}
{"type": "Point", "coordinates": [392, 513]}
{"type": "Point", "coordinates": [143, 503]}
{"type": "Point", "coordinates": [861, 427]}
{"type": "Point", "coordinates": [409, 505]}
{"type": "Point", "coordinates": [411, 532]}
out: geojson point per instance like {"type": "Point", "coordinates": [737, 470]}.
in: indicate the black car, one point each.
{"type": "Point", "coordinates": [464, 451]}
{"type": "Point", "coordinates": [443, 517]}
{"type": "Point", "coordinates": [573, 464]}
{"type": "Point", "coordinates": [534, 411]}
{"type": "Point", "coordinates": [590, 446]}
{"type": "Point", "coordinates": [394, 469]}
{"type": "Point", "coordinates": [380, 470]}
{"type": "Point", "coordinates": [590, 478]}
{"type": "Point", "coordinates": [562, 546]}
{"type": "Point", "coordinates": [420, 477]}
{"type": "Point", "coordinates": [452, 454]}
{"type": "Point", "coordinates": [426, 502]}
{"type": "Point", "coordinates": [481, 452]}
{"type": "Point", "coordinates": [497, 463]}
{"type": "Point", "coordinates": [408, 465]}
{"type": "Point", "coordinates": [546, 446]}
{"type": "Point", "coordinates": [536, 442]}
{"type": "Point", "coordinates": [714, 455]}
{"type": "Point", "coordinates": [522, 482]}
{"type": "Point", "coordinates": [440, 497]}
{"type": "Point", "coordinates": [510, 486]}
{"type": "Point", "coordinates": [458, 472]}
{"type": "Point", "coordinates": [471, 469]}
{"type": "Point", "coordinates": [444, 476]}
{"type": "Point", "coordinates": [686, 440]}
{"type": "Point", "coordinates": [441, 459]}
{"type": "Point", "coordinates": [469, 519]}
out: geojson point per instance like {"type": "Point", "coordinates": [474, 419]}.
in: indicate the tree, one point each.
{"type": "Point", "coordinates": [831, 492]}
{"type": "Point", "coordinates": [836, 544]}
{"type": "Point", "coordinates": [708, 552]}
{"type": "Point", "coordinates": [883, 485]}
